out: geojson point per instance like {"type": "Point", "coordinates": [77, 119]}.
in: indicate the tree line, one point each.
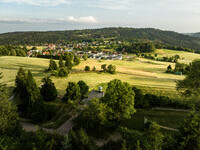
{"type": "Point", "coordinates": [170, 39]}
{"type": "Point", "coordinates": [9, 50]}
{"type": "Point", "coordinates": [63, 68]}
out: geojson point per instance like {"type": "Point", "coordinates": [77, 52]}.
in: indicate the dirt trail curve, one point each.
{"type": "Point", "coordinates": [64, 129]}
{"type": "Point", "coordinates": [67, 126]}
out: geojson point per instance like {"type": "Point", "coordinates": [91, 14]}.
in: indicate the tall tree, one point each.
{"type": "Point", "coordinates": [83, 88]}
{"type": "Point", "coordinates": [52, 65]}
{"type": "Point", "coordinates": [34, 98]}
{"type": "Point", "coordinates": [20, 82]}
{"type": "Point", "coordinates": [76, 60]}
{"type": "Point", "coordinates": [68, 63]}
{"type": "Point", "coordinates": [72, 92]}
{"type": "Point", "coordinates": [118, 102]}
{"type": "Point", "coordinates": [191, 84]}
{"type": "Point", "coordinates": [61, 63]}
{"type": "Point", "coordinates": [9, 120]}
{"type": "Point", "coordinates": [48, 90]}
{"type": "Point", "coordinates": [190, 132]}
{"type": "Point", "coordinates": [30, 102]}
{"type": "Point", "coordinates": [154, 136]}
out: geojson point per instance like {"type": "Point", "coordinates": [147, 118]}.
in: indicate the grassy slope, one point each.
{"type": "Point", "coordinates": [148, 74]}
{"type": "Point", "coordinates": [170, 119]}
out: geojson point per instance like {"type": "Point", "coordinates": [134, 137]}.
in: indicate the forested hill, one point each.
{"type": "Point", "coordinates": [126, 34]}
{"type": "Point", "coordinates": [196, 34]}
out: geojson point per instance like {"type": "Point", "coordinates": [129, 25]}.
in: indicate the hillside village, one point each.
{"type": "Point", "coordinates": [79, 49]}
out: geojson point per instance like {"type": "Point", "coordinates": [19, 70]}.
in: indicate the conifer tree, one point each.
{"type": "Point", "coordinates": [20, 83]}
{"type": "Point", "coordinates": [61, 63]}
{"type": "Point", "coordinates": [34, 98]}
{"type": "Point", "coordinates": [48, 90]}
{"type": "Point", "coordinates": [68, 63]}
{"type": "Point", "coordinates": [72, 92]}
{"type": "Point", "coordinates": [83, 88]}
{"type": "Point", "coordinates": [52, 65]}
{"type": "Point", "coordinates": [76, 60]}
{"type": "Point", "coordinates": [9, 120]}
{"type": "Point", "coordinates": [189, 137]}
{"type": "Point", "coordinates": [154, 136]}
{"type": "Point", "coordinates": [71, 56]}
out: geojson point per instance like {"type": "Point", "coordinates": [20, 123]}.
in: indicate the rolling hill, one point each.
{"type": "Point", "coordinates": [126, 34]}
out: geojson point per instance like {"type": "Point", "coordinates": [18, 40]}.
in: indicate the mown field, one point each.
{"type": "Point", "coordinates": [147, 74]}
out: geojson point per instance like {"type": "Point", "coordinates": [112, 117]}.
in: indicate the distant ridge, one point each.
{"type": "Point", "coordinates": [127, 34]}
{"type": "Point", "coordinates": [196, 34]}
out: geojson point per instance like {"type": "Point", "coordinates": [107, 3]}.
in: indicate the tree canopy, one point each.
{"type": "Point", "coordinates": [48, 90]}
{"type": "Point", "coordinates": [118, 102]}
{"type": "Point", "coordinates": [191, 84]}
{"type": "Point", "coordinates": [72, 92]}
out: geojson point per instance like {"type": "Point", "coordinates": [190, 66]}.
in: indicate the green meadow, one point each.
{"type": "Point", "coordinates": [147, 74]}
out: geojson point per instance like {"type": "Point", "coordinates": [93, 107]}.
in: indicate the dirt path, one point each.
{"type": "Point", "coordinates": [67, 126]}
{"type": "Point", "coordinates": [32, 128]}
{"type": "Point", "coordinates": [64, 129]}
{"type": "Point", "coordinates": [170, 109]}
{"type": "Point", "coordinates": [167, 128]}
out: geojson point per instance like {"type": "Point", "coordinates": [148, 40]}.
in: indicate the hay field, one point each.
{"type": "Point", "coordinates": [147, 74]}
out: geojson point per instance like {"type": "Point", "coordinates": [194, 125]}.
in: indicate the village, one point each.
{"type": "Point", "coordinates": [79, 49]}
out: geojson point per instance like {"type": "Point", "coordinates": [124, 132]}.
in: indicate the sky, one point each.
{"type": "Point", "coordinates": [182, 16]}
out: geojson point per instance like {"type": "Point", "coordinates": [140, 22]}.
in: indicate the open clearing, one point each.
{"type": "Point", "coordinates": [148, 74]}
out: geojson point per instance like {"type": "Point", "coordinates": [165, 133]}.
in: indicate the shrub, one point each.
{"type": "Point", "coordinates": [63, 72]}
{"type": "Point", "coordinates": [104, 68]}
{"type": "Point", "coordinates": [87, 68]}
{"type": "Point", "coordinates": [111, 69]}
{"type": "Point", "coordinates": [94, 68]}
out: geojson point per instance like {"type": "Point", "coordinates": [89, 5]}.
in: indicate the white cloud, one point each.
{"type": "Point", "coordinates": [86, 19]}
{"type": "Point", "coordinates": [38, 2]}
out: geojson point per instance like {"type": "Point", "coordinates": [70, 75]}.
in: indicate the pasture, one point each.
{"type": "Point", "coordinates": [146, 74]}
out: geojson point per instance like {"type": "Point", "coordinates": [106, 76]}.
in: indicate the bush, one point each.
{"type": "Point", "coordinates": [94, 68]}
{"type": "Point", "coordinates": [55, 73]}
{"type": "Point", "coordinates": [81, 141]}
{"type": "Point", "coordinates": [63, 72]}
{"type": "Point", "coordinates": [87, 68]}
{"type": "Point", "coordinates": [111, 69]}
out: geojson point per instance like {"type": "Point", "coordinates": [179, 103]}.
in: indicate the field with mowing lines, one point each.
{"type": "Point", "coordinates": [147, 74]}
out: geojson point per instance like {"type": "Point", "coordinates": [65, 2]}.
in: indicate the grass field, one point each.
{"type": "Point", "coordinates": [170, 119]}
{"type": "Point", "coordinates": [186, 57]}
{"type": "Point", "coordinates": [147, 74]}
{"type": "Point", "coordinates": [38, 47]}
